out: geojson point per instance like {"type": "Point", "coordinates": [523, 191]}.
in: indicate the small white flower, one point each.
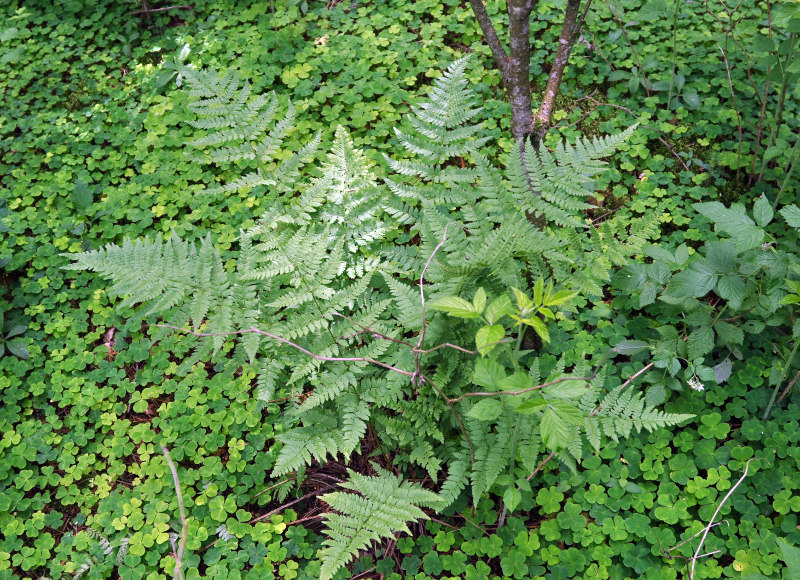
{"type": "Point", "coordinates": [696, 384]}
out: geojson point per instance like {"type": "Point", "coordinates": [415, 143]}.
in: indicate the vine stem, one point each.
{"type": "Point", "coordinates": [178, 573]}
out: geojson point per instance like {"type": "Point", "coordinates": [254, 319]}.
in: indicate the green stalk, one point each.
{"type": "Point", "coordinates": [780, 382]}
{"type": "Point", "coordinates": [674, 52]}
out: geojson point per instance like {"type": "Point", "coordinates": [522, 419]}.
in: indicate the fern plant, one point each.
{"type": "Point", "coordinates": [356, 333]}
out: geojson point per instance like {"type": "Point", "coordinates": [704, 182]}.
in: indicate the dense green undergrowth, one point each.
{"type": "Point", "coordinates": [92, 138]}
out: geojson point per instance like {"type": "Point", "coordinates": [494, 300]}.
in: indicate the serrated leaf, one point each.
{"type": "Point", "coordinates": [499, 307]}
{"type": "Point", "coordinates": [629, 347]}
{"type": "Point", "coordinates": [516, 382]}
{"type": "Point", "coordinates": [488, 373]}
{"type": "Point", "coordinates": [82, 195]}
{"type": "Point", "coordinates": [567, 390]}
{"type": "Point", "coordinates": [560, 297]}
{"type": "Point", "coordinates": [511, 497]}
{"type": "Point", "coordinates": [723, 371]}
{"type": "Point", "coordinates": [538, 326]}
{"type": "Point", "coordinates": [487, 338]}
{"type": "Point", "coordinates": [486, 410]}
{"type": "Point", "coordinates": [731, 288]}
{"type": "Point", "coordinates": [531, 406]}
{"type": "Point", "coordinates": [479, 300]}
{"type": "Point", "coordinates": [733, 221]}
{"type": "Point", "coordinates": [791, 213]}
{"type": "Point", "coordinates": [762, 211]}
{"type": "Point", "coordinates": [701, 342]}
{"type": "Point", "coordinates": [455, 306]}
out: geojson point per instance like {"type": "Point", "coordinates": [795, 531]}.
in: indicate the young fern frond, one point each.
{"type": "Point", "coordinates": [382, 506]}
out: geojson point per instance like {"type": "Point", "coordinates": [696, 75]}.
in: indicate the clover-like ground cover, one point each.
{"type": "Point", "coordinates": [90, 143]}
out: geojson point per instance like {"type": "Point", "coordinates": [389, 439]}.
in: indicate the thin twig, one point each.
{"type": "Point", "coordinates": [521, 391]}
{"type": "Point", "coordinates": [178, 573]}
{"type": "Point", "coordinates": [788, 387]}
{"type": "Point", "coordinates": [542, 464]}
{"type": "Point", "coordinates": [293, 345]}
{"type": "Point", "coordinates": [716, 512]}
{"type": "Point", "coordinates": [151, 10]}
{"type": "Point", "coordinates": [422, 299]}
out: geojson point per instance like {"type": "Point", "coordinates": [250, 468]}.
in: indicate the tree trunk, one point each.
{"type": "Point", "coordinates": [569, 34]}
{"type": "Point", "coordinates": [519, 67]}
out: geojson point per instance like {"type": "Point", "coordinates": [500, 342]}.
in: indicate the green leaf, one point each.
{"type": "Point", "coordinates": [791, 556]}
{"type": "Point", "coordinates": [82, 196]}
{"type": "Point", "coordinates": [791, 213]}
{"type": "Point", "coordinates": [653, 10]}
{"type": "Point", "coordinates": [560, 297]}
{"type": "Point", "coordinates": [557, 421]}
{"type": "Point", "coordinates": [18, 348]}
{"type": "Point", "coordinates": [538, 292]}
{"type": "Point", "coordinates": [538, 326]}
{"type": "Point", "coordinates": [723, 371]}
{"type": "Point", "coordinates": [629, 347]}
{"type": "Point", "coordinates": [488, 373]}
{"type": "Point", "coordinates": [762, 211]}
{"type": "Point", "coordinates": [479, 300]}
{"type": "Point", "coordinates": [701, 342]}
{"type": "Point", "coordinates": [516, 382]}
{"type": "Point", "coordinates": [486, 410]}
{"type": "Point", "coordinates": [567, 390]}
{"type": "Point", "coordinates": [455, 306]}
{"type": "Point", "coordinates": [511, 498]}
{"type": "Point", "coordinates": [499, 307]}
{"type": "Point", "coordinates": [733, 221]}
{"type": "Point", "coordinates": [523, 302]}
{"type": "Point", "coordinates": [731, 288]}
{"type": "Point", "coordinates": [487, 338]}
{"type": "Point", "coordinates": [16, 329]}
{"type": "Point", "coordinates": [531, 406]}
{"type": "Point", "coordinates": [217, 508]}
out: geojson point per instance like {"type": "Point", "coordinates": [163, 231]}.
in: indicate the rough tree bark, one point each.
{"type": "Point", "coordinates": [514, 64]}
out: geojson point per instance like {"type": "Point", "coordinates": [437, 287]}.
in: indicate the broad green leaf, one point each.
{"type": "Point", "coordinates": [762, 211]}
{"type": "Point", "coordinates": [82, 195]}
{"type": "Point", "coordinates": [723, 371]}
{"type": "Point", "coordinates": [479, 300]}
{"type": "Point", "coordinates": [18, 348]}
{"type": "Point", "coordinates": [516, 382]}
{"type": "Point", "coordinates": [733, 221]}
{"type": "Point", "coordinates": [488, 373]}
{"type": "Point", "coordinates": [486, 409]}
{"type": "Point", "coordinates": [731, 288]}
{"type": "Point", "coordinates": [16, 329]}
{"type": "Point", "coordinates": [560, 297]}
{"type": "Point", "coordinates": [455, 306]}
{"type": "Point", "coordinates": [554, 430]}
{"type": "Point", "coordinates": [487, 338]}
{"type": "Point", "coordinates": [629, 347]}
{"type": "Point", "coordinates": [511, 497]}
{"type": "Point", "coordinates": [701, 342]}
{"type": "Point", "coordinates": [538, 326]}
{"type": "Point", "coordinates": [538, 292]}
{"type": "Point", "coordinates": [523, 302]}
{"type": "Point", "coordinates": [531, 406]}
{"type": "Point", "coordinates": [791, 213]}
{"type": "Point", "coordinates": [570, 389]}
{"type": "Point", "coordinates": [694, 282]}
{"type": "Point", "coordinates": [653, 10]}
{"type": "Point", "coordinates": [791, 557]}
{"type": "Point", "coordinates": [499, 307]}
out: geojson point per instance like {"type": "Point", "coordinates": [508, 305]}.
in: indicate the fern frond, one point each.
{"type": "Point", "coordinates": [381, 506]}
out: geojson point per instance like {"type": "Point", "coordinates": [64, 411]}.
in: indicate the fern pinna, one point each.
{"type": "Point", "coordinates": [358, 333]}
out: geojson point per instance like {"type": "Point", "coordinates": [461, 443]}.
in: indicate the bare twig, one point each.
{"type": "Point", "coordinates": [716, 512]}
{"type": "Point", "coordinates": [788, 388]}
{"type": "Point", "coordinates": [542, 464]}
{"type": "Point", "coordinates": [151, 10]}
{"type": "Point", "coordinates": [178, 573]}
{"type": "Point", "coordinates": [293, 345]}
{"type": "Point", "coordinates": [521, 391]}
